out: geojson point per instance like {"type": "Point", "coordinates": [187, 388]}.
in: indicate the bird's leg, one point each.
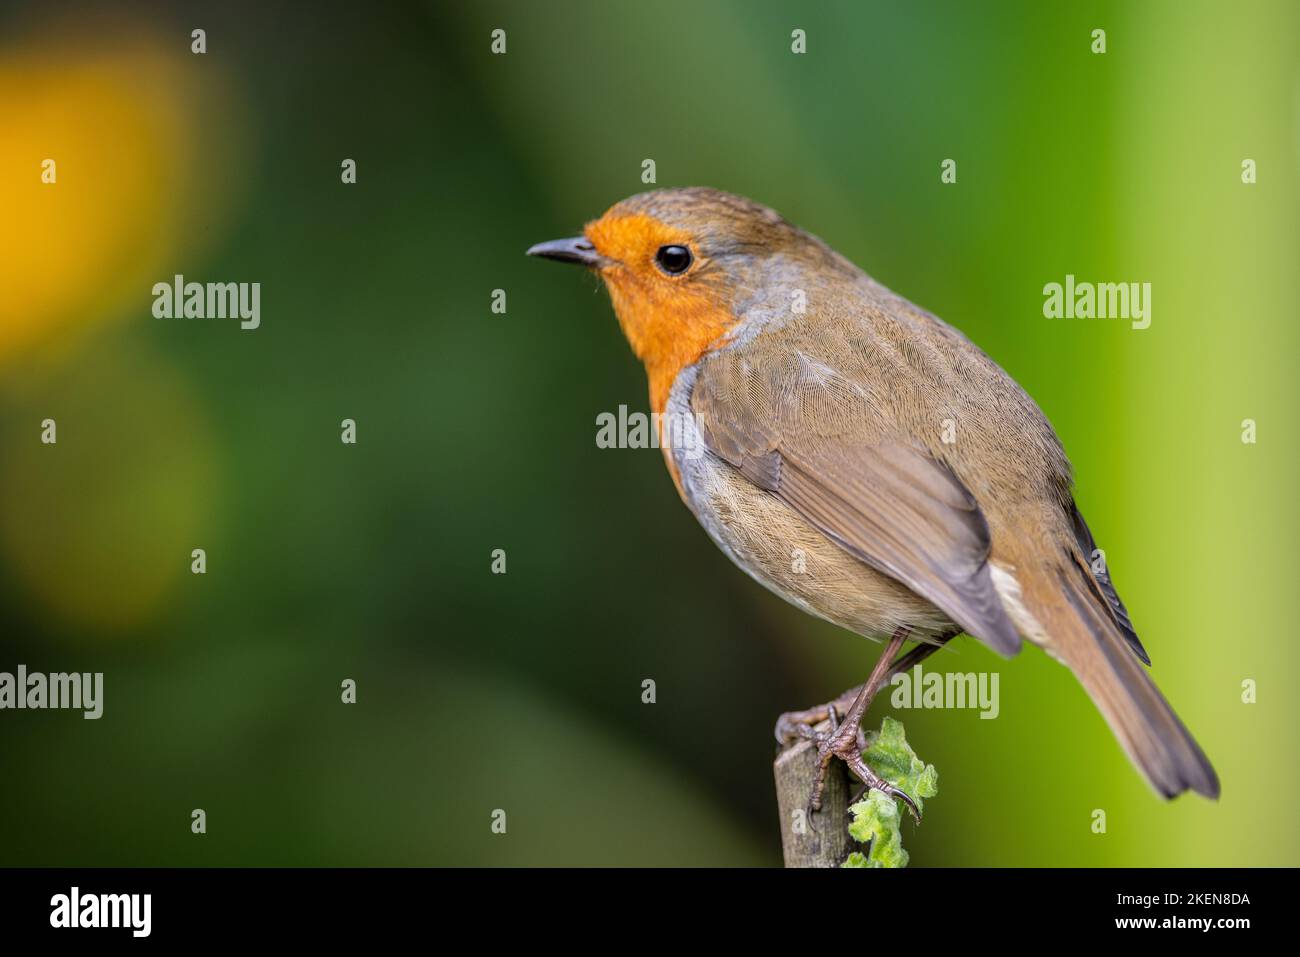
{"type": "Point", "coordinates": [843, 741]}
{"type": "Point", "coordinates": [794, 725]}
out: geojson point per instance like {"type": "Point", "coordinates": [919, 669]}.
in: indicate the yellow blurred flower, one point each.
{"type": "Point", "coordinates": [117, 119]}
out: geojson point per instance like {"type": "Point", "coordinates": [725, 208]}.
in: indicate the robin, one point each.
{"type": "Point", "coordinates": [865, 461]}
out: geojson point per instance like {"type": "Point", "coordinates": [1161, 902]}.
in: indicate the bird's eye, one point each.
{"type": "Point", "coordinates": [674, 260]}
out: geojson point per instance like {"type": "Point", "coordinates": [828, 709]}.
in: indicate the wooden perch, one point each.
{"type": "Point", "coordinates": [822, 839]}
{"type": "Point", "coordinates": [818, 839]}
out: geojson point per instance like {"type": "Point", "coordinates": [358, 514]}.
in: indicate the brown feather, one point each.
{"type": "Point", "coordinates": [891, 506]}
{"type": "Point", "coordinates": [1090, 642]}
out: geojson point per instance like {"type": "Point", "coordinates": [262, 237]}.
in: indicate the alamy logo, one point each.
{"type": "Point", "coordinates": [35, 690]}
{"type": "Point", "coordinates": [933, 689]}
{"type": "Point", "coordinates": [1102, 300]}
{"type": "Point", "coordinates": [636, 430]}
{"type": "Point", "coordinates": [213, 300]}
{"type": "Point", "coordinates": [103, 910]}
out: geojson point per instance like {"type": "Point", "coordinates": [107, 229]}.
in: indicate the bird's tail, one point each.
{"type": "Point", "coordinates": [1087, 631]}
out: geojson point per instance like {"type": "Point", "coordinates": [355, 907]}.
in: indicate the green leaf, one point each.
{"type": "Point", "coordinates": [876, 821]}
{"type": "Point", "coordinates": [890, 756]}
{"type": "Point", "coordinates": [877, 817]}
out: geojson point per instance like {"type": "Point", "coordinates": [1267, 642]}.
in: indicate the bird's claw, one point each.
{"type": "Point", "coordinates": [849, 750]}
{"type": "Point", "coordinates": [891, 791]}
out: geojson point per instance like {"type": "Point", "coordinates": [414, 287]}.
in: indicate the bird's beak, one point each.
{"type": "Point", "coordinates": [576, 250]}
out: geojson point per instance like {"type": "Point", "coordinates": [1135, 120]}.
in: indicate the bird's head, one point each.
{"type": "Point", "coordinates": [682, 266]}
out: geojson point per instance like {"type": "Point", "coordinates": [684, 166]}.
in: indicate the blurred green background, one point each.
{"type": "Point", "coordinates": [476, 431]}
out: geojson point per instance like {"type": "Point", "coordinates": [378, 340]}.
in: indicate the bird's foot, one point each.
{"type": "Point", "coordinates": [846, 742]}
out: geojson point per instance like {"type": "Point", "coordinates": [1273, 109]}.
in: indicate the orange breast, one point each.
{"type": "Point", "coordinates": [669, 337]}
{"type": "Point", "coordinates": [670, 323]}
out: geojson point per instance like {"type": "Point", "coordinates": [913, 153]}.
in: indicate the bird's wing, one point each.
{"type": "Point", "coordinates": [806, 434]}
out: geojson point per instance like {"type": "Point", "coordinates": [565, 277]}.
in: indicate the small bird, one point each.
{"type": "Point", "coordinates": [865, 461]}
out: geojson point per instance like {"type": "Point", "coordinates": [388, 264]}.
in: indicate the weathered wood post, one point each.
{"type": "Point", "coordinates": [818, 839]}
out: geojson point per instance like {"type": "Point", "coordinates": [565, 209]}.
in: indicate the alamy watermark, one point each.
{"type": "Point", "coordinates": [637, 430]}
{"type": "Point", "coordinates": [1103, 300]}
{"type": "Point", "coordinates": [179, 299]}
{"type": "Point", "coordinates": [35, 690]}
{"type": "Point", "coordinates": [935, 689]}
